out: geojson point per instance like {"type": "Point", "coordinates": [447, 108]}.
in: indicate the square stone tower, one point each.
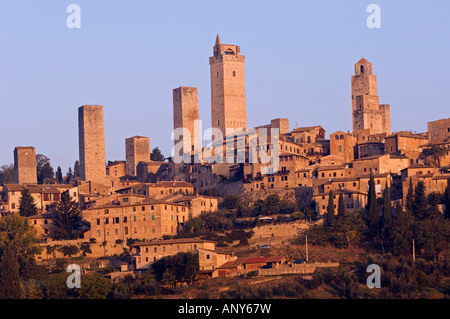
{"type": "Point", "coordinates": [25, 165]}
{"type": "Point", "coordinates": [185, 114]}
{"type": "Point", "coordinates": [91, 132]}
{"type": "Point", "coordinates": [228, 108]}
{"type": "Point", "coordinates": [366, 109]}
{"type": "Point", "coordinates": [137, 149]}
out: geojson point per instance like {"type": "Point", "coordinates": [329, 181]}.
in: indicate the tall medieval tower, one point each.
{"type": "Point", "coordinates": [91, 134]}
{"type": "Point", "coordinates": [228, 108]}
{"type": "Point", "coordinates": [25, 165]}
{"type": "Point", "coordinates": [185, 115]}
{"type": "Point", "coordinates": [137, 149]}
{"type": "Point", "coordinates": [367, 112]}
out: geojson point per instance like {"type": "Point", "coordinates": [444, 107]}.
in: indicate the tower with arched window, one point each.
{"type": "Point", "coordinates": [367, 112]}
{"type": "Point", "coordinates": [228, 108]}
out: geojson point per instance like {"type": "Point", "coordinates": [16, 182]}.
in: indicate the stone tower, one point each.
{"type": "Point", "coordinates": [25, 165]}
{"type": "Point", "coordinates": [91, 132]}
{"type": "Point", "coordinates": [228, 108]}
{"type": "Point", "coordinates": [185, 114]}
{"type": "Point", "coordinates": [367, 112]}
{"type": "Point", "coordinates": [137, 149]}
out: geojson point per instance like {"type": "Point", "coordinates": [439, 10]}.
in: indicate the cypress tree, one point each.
{"type": "Point", "coordinates": [27, 205]}
{"type": "Point", "coordinates": [341, 206]}
{"type": "Point", "coordinates": [387, 209]}
{"type": "Point", "coordinates": [420, 206]}
{"type": "Point", "coordinates": [410, 198]}
{"type": "Point", "coordinates": [373, 207]}
{"type": "Point", "coordinates": [447, 200]}
{"type": "Point", "coordinates": [330, 210]}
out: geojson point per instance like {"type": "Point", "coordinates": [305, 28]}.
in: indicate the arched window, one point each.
{"type": "Point", "coordinates": [229, 52]}
{"type": "Point", "coordinates": [342, 137]}
{"type": "Point", "coordinates": [362, 69]}
{"type": "Point", "coordinates": [339, 148]}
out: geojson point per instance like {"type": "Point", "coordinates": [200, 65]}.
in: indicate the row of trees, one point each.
{"type": "Point", "coordinates": [420, 220]}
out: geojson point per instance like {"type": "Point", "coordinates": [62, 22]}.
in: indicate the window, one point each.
{"type": "Point", "coordinates": [155, 250]}
{"type": "Point", "coordinates": [362, 69]}
{"type": "Point", "coordinates": [107, 221]}
{"type": "Point", "coordinates": [126, 230]}
{"type": "Point", "coordinates": [134, 218]}
{"type": "Point", "coordinates": [98, 221]}
{"type": "Point", "coordinates": [125, 219]}
{"type": "Point", "coordinates": [339, 149]}
{"type": "Point", "coordinates": [342, 137]}
{"type": "Point", "coordinates": [234, 73]}
{"type": "Point", "coordinates": [208, 256]}
{"type": "Point", "coordinates": [117, 220]}
{"type": "Point", "coordinates": [143, 208]}
{"type": "Point", "coordinates": [153, 217]}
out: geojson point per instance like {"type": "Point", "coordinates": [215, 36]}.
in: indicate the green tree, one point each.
{"type": "Point", "coordinates": [341, 206]}
{"type": "Point", "coordinates": [230, 202]}
{"type": "Point", "coordinates": [17, 234]}
{"type": "Point", "coordinates": [420, 205]}
{"type": "Point", "coordinates": [387, 208]}
{"type": "Point", "coordinates": [374, 219]}
{"type": "Point", "coordinates": [27, 204]}
{"type": "Point", "coordinates": [447, 200]}
{"type": "Point", "coordinates": [9, 276]}
{"type": "Point", "coordinates": [156, 155]}
{"type": "Point", "coordinates": [330, 210]}
{"type": "Point", "coordinates": [68, 219]}
{"type": "Point", "coordinates": [7, 174]}
{"type": "Point", "coordinates": [69, 175]}
{"type": "Point", "coordinates": [44, 169]}
{"type": "Point", "coordinates": [402, 233]}
{"type": "Point", "coordinates": [94, 287]}
{"type": "Point", "coordinates": [59, 175]}
{"type": "Point", "coordinates": [76, 169]}
{"type": "Point", "coordinates": [410, 198]}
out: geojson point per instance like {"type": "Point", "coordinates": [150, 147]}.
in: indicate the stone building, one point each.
{"type": "Point", "coordinates": [439, 131]}
{"type": "Point", "coordinates": [137, 149]}
{"type": "Point", "coordinates": [228, 106]}
{"type": "Point", "coordinates": [145, 219]}
{"type": "Point", "coordinates": [25, 165]}
{"type": "Point", "coordinates": [44, 195]}
{"type": "Point", "coordinates": [367, 112]}
{"type": "Point", "coordinates": [185, 115]}
{"type": "Point", "coordinates": [116, 169]}
{"type": "Point", "coordinates": [92, 143]}
{"type": "Point", "coordinates": [146, 253]}
{"type": "Point", "coordinates": [343, 144]}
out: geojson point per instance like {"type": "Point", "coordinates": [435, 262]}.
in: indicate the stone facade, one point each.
{"type": "Point", "coordinates": [439, 131]}
{"type": "Point", "coordinates": [137, 149]}
{"type": "Point", "coordinates": [25, 165]}
{"type": "Point", "coordinates": [367, 112]}
{"type": "Point", "coordinates": [228, 106]}
{"type": "Point", "coordinates": [147, 219]}
{"type": "Point", "coordinates": [92, 143]}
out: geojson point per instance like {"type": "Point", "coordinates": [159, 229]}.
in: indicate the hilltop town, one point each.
{"type": "Point", "coordinates": [137, 211]}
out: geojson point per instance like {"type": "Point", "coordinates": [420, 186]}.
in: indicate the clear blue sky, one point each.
{"type": "Point", "coordinates": [129, 55]}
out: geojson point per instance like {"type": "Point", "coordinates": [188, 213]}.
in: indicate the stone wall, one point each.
{"type": "Point", "coordinates": [307, 268]}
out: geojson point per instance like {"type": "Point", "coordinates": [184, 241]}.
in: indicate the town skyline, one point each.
{"type": "Point", "coordinates": [260, 77]}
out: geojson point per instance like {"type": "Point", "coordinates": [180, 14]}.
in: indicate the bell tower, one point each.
{"type": "Point", "coordinates": [228, 108]}
{"type": "Point", "coordinates": [367, 112]}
